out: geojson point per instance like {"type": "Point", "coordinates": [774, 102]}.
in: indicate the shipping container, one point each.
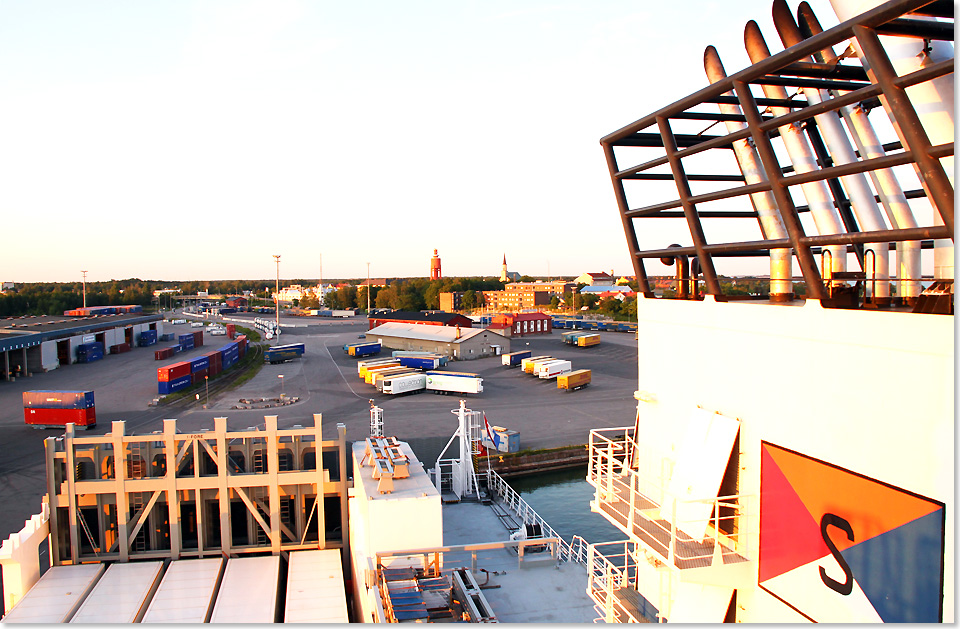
{"type": "Point", "coordinates": [315, 588]}
{"type": "Point", "coordinates": [527, 363]}
{"type": "Point", "coordinates": [186, 594]}
{"type": "Point", "coordinates": [82, 418]}
{"type": "Point", "coordinates": [588, 340]}
{"type": "Point", "coordinates": [197, 377]}
{"type": "Point", "coordinates": [89, 352]}
{"type": "Point", "coordinates": [513, 359]}
{"type": "Point", "coordinates": [364, 349]}
{"type": "Point", "coordinates": [120, 348]}
{"type": "Point", "coordinates": [58, 399]}
{"type": "Point", "coordinates": [122, 594]}
{"type": "Point", "coordinates": [199, 363]}
{"type": "Point", "coordinates": [166, 336]}
{"type": "Point", "coordinates": [165, 353]}
{"type": "Point", "coordinates": [570, 338]}
{"type": "Point", "coordinates": [231, 330]}
{"type": "Point", "coordinates": [147, 338]}
{"type": "Point", "coordinates": [550, 370]}
{"type": "Point", "coordinates": [574, 380]}
{"type": "Point", "coordinates": [198, 338]}
{"type": "Point", "coordinates": [442, 382]}
{"type": "Point", "coordinates": [393, 385]}
{"type": "Point", "coordinates": [186, 341]}
{"type": "Point", "coordinates": [58, 594]}
{"type": "Point", "coordinates": [165, 388]}
{"type": "Point", "coordinates": [172, 372]}
{"type": "Point", "coordinates": [249, 591]}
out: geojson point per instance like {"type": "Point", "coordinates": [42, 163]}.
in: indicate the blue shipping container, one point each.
{"type": "Point", "coordinates": [164, 388]}
{"type": "Point", "coordinates": [89, 352]}
{"type": "Point", "coordinates": [419, 362]}
{"type": "Point", "coordinates": [199, 363]}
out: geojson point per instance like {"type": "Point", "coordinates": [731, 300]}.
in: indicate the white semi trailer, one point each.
{"type": "Point", "coordinates": [550, 370]}
{"type": "Point", "coordinates": [443, 382]}
{"type": "Point", "coordinates": [403, 383]}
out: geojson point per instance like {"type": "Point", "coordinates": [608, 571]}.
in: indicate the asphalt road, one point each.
{"type": "Point", "coordinates": [325, 381]}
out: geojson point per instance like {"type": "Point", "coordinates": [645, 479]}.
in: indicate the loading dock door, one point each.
{"type": "Point", "coordinates": [128, 336]}
{"type": "Point", "coordinates": [63, 352]}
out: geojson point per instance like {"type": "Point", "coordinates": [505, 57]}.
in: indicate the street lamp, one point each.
{"type": "Point", "coordinates": [206, 381]}
{"type": "Point", "coordinates": [84, 288]}
{"type": "Point", "coordinates": [368, 289]}
{"type": "Point", "coordinates": [277, 300]}
{"type": "Point", "coordinates": [281, 385]}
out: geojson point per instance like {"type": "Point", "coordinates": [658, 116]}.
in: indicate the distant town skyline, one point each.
{"type": "Point", "coordinates": [187, 139]}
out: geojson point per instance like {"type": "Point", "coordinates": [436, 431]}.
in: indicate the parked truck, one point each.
{"type": "Point", "coordinates": [445, 382]}
{"type": "Point", "coordinates": [377, 376]}
{"type": "Point", "coordinates": [283, 353]}
{"type": "Point", "coordinates": [363, 365]}
{"type": "Point", "coordinates": [431, 361]}
{"type": "Point", "coordinates": [513, 359]}
{"type": "Point", "coordinates": [406, 383]}
{"type": "Point", "coordinates": [573, 380]}
{"type": "Point", "coordinates": [552, 369]}
{"type": "Point", "coordinates": [372, 371]}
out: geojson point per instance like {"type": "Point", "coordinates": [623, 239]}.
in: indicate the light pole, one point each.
{"type": "Point", "coordinates": [277, 300]}
{"type": "Point", "coordinates": [84, 288]}
{"type": "Point", "coordinates": [368, 289]}
{"type": "Point", "coordinates": [206, 381]}
{"type": "Point", "coordinates": [281, 385]}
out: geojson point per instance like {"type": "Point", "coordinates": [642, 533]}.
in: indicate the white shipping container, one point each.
{"type": "Point", "coordinates": [186, 594]}
{"type": "Point", "coordinates": [57, 595]}
{"type": "Point", "coordinates": [248, 592]}
{"type": "Point", "coordinates": [402, 384]}
{"type": "Point", "coordinates": [539, 368]}
{"type": "Point", "coordinates": [122, 594]}
{"type": "Point", "coordinates": [550, 371]}
{"type": "Point", "coordinates": [453, 384]}
{"type": "Point", "coordinates": [315, 589]}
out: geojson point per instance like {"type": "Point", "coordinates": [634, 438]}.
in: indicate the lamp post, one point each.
{"type": "Point", "coordinates": [84, 288]}
{"type": "Point", "coordinates": [277, 300]}
{"type": "Point", "coordinates": [206, 382]}
{"type": "Point", "coordinates": [368, 289]}
{"type": "Point", "coordinates": [281, 385]}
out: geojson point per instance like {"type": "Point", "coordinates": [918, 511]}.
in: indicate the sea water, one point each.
{"type": "Point", "coordinates": [562, 498]}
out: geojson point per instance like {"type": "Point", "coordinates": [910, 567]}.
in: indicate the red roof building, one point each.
{"type": "Point", "coordinates": [522, 324]}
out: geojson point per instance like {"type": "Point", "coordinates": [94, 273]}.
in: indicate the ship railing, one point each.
{"type": "Point", "coordinates": [617, 573]}
{"type": "Point", "coordinates": [506, 495]}
{"type": "Point", "coordinates": [632, 492]}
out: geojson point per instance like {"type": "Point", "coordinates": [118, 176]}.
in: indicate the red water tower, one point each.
{"type": "Point", "coordinates": [435, 266]}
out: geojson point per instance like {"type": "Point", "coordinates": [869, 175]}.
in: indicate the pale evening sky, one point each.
{"type": "Point", "coordinates": [184, 139]}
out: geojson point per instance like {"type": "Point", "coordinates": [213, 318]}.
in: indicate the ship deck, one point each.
{"type": "Point", "coordinates": [540, 591]}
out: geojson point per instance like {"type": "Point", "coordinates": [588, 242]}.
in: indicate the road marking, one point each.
{"type": "Point", "coordinates": [327, 347]}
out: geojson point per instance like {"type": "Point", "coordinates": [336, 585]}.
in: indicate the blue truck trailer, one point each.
{"type": "Point", "coordinates": [364, 349]}
{"type": "Point", "coordinates": [283, 353]}
{"type": "Point", "coordinates": [420, 362]}
{"type": "Point", "coordinates": [513, 359]}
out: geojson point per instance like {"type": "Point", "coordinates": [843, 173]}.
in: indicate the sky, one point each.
{"type": "Point", "coordinates": [181, 140]}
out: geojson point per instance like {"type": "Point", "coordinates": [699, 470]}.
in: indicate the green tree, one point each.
{"type": "Point", "coordinates": [469, 300]}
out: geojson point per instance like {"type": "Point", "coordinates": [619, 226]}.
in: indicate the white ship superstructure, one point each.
{"type": "Point", "coordinates": [792, 457]}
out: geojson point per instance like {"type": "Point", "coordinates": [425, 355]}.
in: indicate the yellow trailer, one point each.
{"type": "Point", "coordinates": [574, 379]}
{"type": "Point", "coordinates": [527, 363]}
{"type": "Point", "coordinates": [588, 340]}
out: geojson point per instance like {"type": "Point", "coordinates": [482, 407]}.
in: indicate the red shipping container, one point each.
{"type": "Point", "coordinates": [82, 417]}
{"type": "Point", "coordinates": [197, 376]}
{"type": "Point", "coordinates": [198, 339]}
{"type": "Point", "coordinates": [172, 372]}
{"type": "Point", "coordinates": [214, 370]}
{"type": "Point", "coordinates": [231, 330]}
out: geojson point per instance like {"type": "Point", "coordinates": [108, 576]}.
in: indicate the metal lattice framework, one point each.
{"type": "Point", "coordinates": [869, 80]}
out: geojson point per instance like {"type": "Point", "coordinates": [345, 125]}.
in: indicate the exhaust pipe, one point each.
{"type": "Point", "coordinates": [825, 215]}
{"type": "Point", "coordinates": [933, 101]}
{"type": "Point", "coordinates": [894, 202]}
{"type": "Point", "coordinates": [768, 214]}
{"type": "Point", "coordinates": [841, 150]}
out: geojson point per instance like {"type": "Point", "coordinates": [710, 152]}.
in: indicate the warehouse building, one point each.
{"type": "Point", "coordinates": [521, 324]}
{"type": "Point", "coordinates": [423, 318]}
{"type": "Point", "coordinates": [453, 342]}
{"type": "Point", "coordinates": [30, 345]}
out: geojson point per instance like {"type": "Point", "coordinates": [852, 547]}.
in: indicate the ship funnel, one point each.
{"type": "Point", "coordinates": [768, 215]}
{"type": "Point", "coordinates": [894, 202]}
{"type": "Point", "coordinates": [875, 259]}
{"type": "Point", "coordinates": [825, 215]}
